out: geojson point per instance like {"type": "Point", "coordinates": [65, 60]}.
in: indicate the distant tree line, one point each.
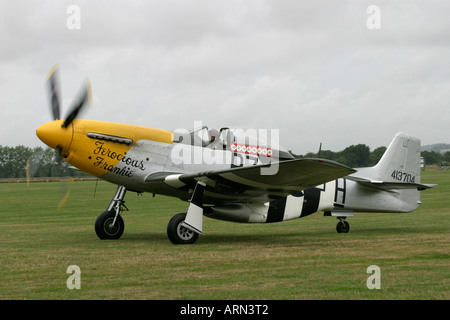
{"type": "Point", "coordinates": [15, 162]}
{"type": "Point", "coordinates": [437, 158]}
{"type": "Point", "coordinates": [355, 156]}
{"type": "Point", "coordinates": [358, 156]}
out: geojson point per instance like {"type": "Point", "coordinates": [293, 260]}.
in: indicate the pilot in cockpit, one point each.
{"type": "Point", "coordinates": [214, 139]}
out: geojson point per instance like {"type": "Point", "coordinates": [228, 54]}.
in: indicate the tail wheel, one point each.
{"type": "Point", "coordinates": [107, 228]}
{"type": "Point", "coordinates": [342, 227]}
{"type": "Point", "coordinates": [177, 233]}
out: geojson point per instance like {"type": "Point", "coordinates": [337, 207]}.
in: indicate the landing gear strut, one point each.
{"type": "Point", "coordinates": [109, 224]}
{"type": "Point", "coordinates": [184, 228]}
{"type": "Point", "coordinates": [342, 226]}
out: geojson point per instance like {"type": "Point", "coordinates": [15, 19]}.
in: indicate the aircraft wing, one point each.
{"type": "Point", "coordinates": [266, 181]}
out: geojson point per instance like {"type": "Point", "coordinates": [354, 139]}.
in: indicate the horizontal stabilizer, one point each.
{"type": "Point", "coordinates": [390, 185]}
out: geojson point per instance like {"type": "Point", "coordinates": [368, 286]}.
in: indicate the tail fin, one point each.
{"type": "Point", "coordinates": [401, 161]}
{"type": "Point", "coordinates": [397, 173]}
{"type": "Point", "coordinates": [398, 168]}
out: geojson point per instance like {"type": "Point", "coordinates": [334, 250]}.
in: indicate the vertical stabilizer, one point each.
{"type": "Point", "coordinates": [401, 161]}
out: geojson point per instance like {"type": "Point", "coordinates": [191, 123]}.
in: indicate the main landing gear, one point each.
{"type": "Point", "coordinates": [179, 234]}
{"type": "Point", "coordinates": [183, 228]}
{"type": "Point", "coordinates": [109, 224]}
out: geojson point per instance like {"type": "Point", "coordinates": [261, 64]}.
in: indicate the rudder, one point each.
{"type": "Point", "coordinates": [401, 161]}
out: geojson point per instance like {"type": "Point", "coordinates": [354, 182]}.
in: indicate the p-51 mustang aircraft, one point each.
{"type": "Point", "coordinates": [226, 174]}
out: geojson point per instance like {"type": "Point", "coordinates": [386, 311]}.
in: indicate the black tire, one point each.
{"type": "Point", "coordinates": [342, 227]}
{"type": "Point", "coordinates": [177, 233]}
{"type": "Point", "coordinates": [104, 228]}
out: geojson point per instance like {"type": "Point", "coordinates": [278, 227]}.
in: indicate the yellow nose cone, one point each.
{"type": "Point", "coordinates": [55, 136]}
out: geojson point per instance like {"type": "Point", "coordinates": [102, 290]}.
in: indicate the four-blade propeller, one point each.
{"type": "Point", "coordinates": [78, 104]}
{"type": "Point", "coordinates": [82, 99]}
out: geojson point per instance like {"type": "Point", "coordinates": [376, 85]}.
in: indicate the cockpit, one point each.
{"type": "Point", "coordinates": [204, 137]}
{"type": "Point", "coordinates": [250, 141]}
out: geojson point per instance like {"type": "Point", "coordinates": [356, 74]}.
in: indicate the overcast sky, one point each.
{"type": "Point", "coordinates": [316, 70]}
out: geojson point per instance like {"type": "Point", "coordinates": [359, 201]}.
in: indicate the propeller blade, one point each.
{"type": "Point", "coordinates": [79, 104]}
{"type": "Point", "coordinates": [28, 172]}
{"type": "Point", "coordinates": [63, 189]}
{"type": "Point", "coordinates": [54, 95]}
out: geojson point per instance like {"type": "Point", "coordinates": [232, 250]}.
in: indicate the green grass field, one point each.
{"type": "Point", "coordinates": [299, 259]}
